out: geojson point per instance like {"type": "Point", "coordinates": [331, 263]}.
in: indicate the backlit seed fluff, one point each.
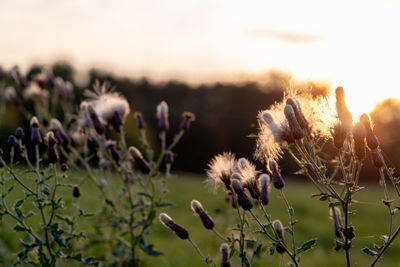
{"type": "Point", "coordinates": [275, 129]}
{"type": "Point", "coordinates": [248, 174]}
{"type": "Point", "coordinates": [265, 188]}
{"type": "Point", "coordinates": [359, 140]}
{"type": "Point", "coordinates": [339, 135]}
{"type": "Point", "coordinates": [372, 140]}
{"type": "Point", "coordinates": [343, 112]}
{"type": "Point", "coordinates": [180, 231]}
{"type": "Point", "coordinates": [243, 199]}
{"type": "Point", "coordinates": [98, 125]}
{"type": "Point", "coordinates": [224, 249]}
{"type": "Point", "coordinates": [278, 230]}
{"type": "Point", "coordinates": [277, 178]}
{"type": "Point", "coordinates": [204, 217]}
{"type": "Point", "coordinates": [221, 168]}
{"type": "Point", "coordinates": [295, 129]}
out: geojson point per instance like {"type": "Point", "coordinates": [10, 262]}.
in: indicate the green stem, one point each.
{"type": "Point", "coordinates": [199, 251]}
{"type": "Point", "coordinates": [385, 247]}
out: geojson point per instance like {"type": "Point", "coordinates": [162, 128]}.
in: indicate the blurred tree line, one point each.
{"type": "Point", "coordinates": [225, 114]}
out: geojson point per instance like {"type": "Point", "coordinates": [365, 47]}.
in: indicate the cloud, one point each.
{"type": "Point", "coordinates": [288, 37]}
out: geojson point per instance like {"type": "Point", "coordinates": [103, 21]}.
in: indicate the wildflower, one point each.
{"type": "Point", "coordinates": [270, 137]}
{"type": "Point", "coordinates": [143, 165]}
{"type": "Point", "coordinates": [265, 188]}
{"type": "Point", "coordinates": [278, 230]}
{"type": "Point", "coordinates": [162, 115]}
{"type": "Point", "coordinates": [359, 140]}
{"type": "Point", "coordinates": [248, 174]}
{"type": "Point", "coordinates": [12, 141]}
{"type": "Point", "coordinates": [51, 147]}
{"type": "Point", "coordinates": [187, 119]}
{"type": "Point", "coordinates": [36, 138]}
{"type": "Point", "coordinates": [169, 157]}
{"type": "Point", "coordinates": [98, 125]}
{"type": "Point", "coordinates": [112, 108]}
{"type": "Point", "coordinates": [224, 248]}
{"type": "Point", "coordinates": [295, 129]}
{"type": "Point", "coordinates": [204, 217]}
{"type": "Point", "coordinates": [294, 103]}
{"type": "Point", "coordinates": [376, 159]}
{"type": "Point", "coordinates": [75, 191]}
{"type": "Point", "coordinates": [58, 130]}
{"type": "Point", "coordinates": [140, 120]}
{"type": "Point", "coordinates": [339, 135]}
{"type": "Point", "coordinates": [336, 217]}
{"type": "Point", "coordinates": [19, 133]}
{"type": "Point", "coordinates": [243, 199]}
{"type": "Point", "coordinates": [221, 169]}
{"type": "Point", "coordinates": [342, 111]}
{"type": "Point", "coordinates": [370, 137]}
{"type": "Point", "coordinates": [277, 179]}
{"type": "Point", "coordinates": [180, 231]}
{"type": "Point", "coordinates": [111, 145]}
{"type": "Point", "coordinates": [64, 167]}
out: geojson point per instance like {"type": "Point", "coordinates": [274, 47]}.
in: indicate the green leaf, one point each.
{"type": "Point", "coordinates": [349, 233]}
{"type": "Point", "coordinates": [369, 252]}
{"type": "Point", "coordinates": [109, 202]}
{"type": "Point", "coordinates": [10, 189]}
{"type": "Point", "coordinates": [20, 228]}
{"type": "Point", "coordinates": [18, 203]}
{"type": "Point", "coordinates": [19, 212]}
{"type": "Point", "coordinates": [287, 229]}
{"type": "Point", "coordinates": [148, 249]}
{"type": "Point", "coordinates": [306, 246]}
{"type": "Point", "coordinates": [339, 245]}
{"type": "Point", "coordinates": [272, 249]}
{"type": "Point", "coordinates": [164, 204]}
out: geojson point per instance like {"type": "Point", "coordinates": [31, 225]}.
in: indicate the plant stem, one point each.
{"type": "Point", "coordinates": [385, 247]}
{"type": "Point", "coordinates": [199, 251]}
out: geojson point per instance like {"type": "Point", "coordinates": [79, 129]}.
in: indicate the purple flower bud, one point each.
{"type": "Point", "coordinates": [140, 120]}
{"type": "Point", "coordinates": [265, 188]}
{"type": "Point", "coordinates": [12, 141]}
{"type": "Point", "coordinates": [243, 199]}
{"type": "Point", "coordinates": [180, 231]}
{"type": "Point", "coordinates": [112, 147]}
{"type": "Point", "coordinates": [204, 217]}
{"type": "Point", "coordinates": [372, 141]}
{"type": "Point", "coordinates": [339, 135]}
{"type": "Point", "coordinates": [337, 223]}
{"type": "Point", "coordinates": [359, 140]}
{"type": "Point", "coordinates": [162, 115]}
{"type": "Point", "coordinates": [116, 120]}
{"type": "Point", "coordinates": [297, 112]}
{"type": "Point", "coordinates": [187, 119]}
{"type": "Point", "coordinates": [98, 126]}
{"type": "Point", "coordinates": [277, 179]}
{"type": "Point", "coordinates": [143, 165]}
{"type": "Point", "coordinates": [278, 230]}
{"type": "Point", "coordinates": [36, 138]}
{"type": "Point", "coordinates": [75, 191]}
{"type": "Point", "coordinates": [64, 167]}
{"type": "Point", "coordinates": [294, 126]}
{"type": "Point", "coordinates": [224, 249]}
{"type": "Point", "coordinates": [19, 133]}
{"type": "Point", "coordinates": [52, 153]}
{"type": "Point", "coordinates": [169, 157]}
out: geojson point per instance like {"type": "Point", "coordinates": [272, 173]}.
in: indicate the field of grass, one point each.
{"type": "Point", "coordinates": [370, 219]}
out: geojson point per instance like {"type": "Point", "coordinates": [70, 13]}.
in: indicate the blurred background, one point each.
{"type": "Point", "coordinates": [222, 60]}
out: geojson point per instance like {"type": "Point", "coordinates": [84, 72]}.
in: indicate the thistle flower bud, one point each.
{"type": "Point", "coordinates": [243, 199]}
{"type": "Point", "coordinates": [343, 112]}
{"type": "Point", "coordinates": [180, 231]}
{"type": "Point", "coordinates": [58, 130]}
{"type": "Point", "coordinates": [140, 120]}
{"type": "Point", "coordinates": [64, 167]}
{"type": "Point", "coordinates": [337, 222]}
{"type": "Point", "coordinates": [162, 115]}
{"type": "Point", "coordinates": [169, 157]}
{"type": "Point", "coordinates": [12, 141]}
{"type": "Point", "coordinates": [36, 138]}
{"type": "Point", "coordinates": [278, 230]}
{"type": "Point", "coordinates": [339, 135]}
{"type": "Point", "coordinates": [143, 165]}
{"type": "Point", "coordinates": [294, 126]}
{"type": "Point", "coordinates": [187, 119]}
{"type": "Point", "coordinates": [277, 179]}
{"type": "Point", "coordinates": [265, 188]}
{"type": "Point", "coordinates": [376, 159]}
{"type": "Point", "coordinates": [224, 249]}
{"type": "Point", "coordinates": [204, 217]}
{"type": "Point", "coordinates": [359, 140]}
{"type": "Point", "coordinates": [19, 133]}
{"type": "Point", "coordinates": [75, 191]}
{"type": "Point", "coordinates": [372, 141]}
{"type": "Point", "coordinates": [52, 153]}
{"type": "Point", "coordinates": [111, 145]}
{"type": "Point", "coordinates": [297, 112]}
{"type": "Point", "coordinates": [98, 126]}
{"type": "Point", "coordinates": [116, 120]}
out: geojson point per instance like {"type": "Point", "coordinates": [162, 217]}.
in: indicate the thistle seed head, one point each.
{"type": "Point", "coordinates": [243, 199]}
{"type": "Point", "coordinates": [295, 129]}
{"type": "Point", "coordinates": [278, 230]}
{"type": "Point", "coordinates": [248, 174]}
{"type": "Point", "coordinates": [180, 231]}
{"type": "Point", "coordinates": [297, 111]}
{"type": "Point", "coordinates": [339, 135]}
{"type": "Point", "coordinates": [343, 112]}
{"type": "Point", "coordinates": [143, 165]}
{"type": "Point", "coordinates": [224, 249]}
{"type": "Point", "coordinates": [372, 140]}
{"type": "Point", "coordinates": [205, 218]}
{"type": "Point", "coordinates": [221, 169]}
{"type": "Point", "coordinates": [265, 188]}
{"type": "Point", "coordinates": [34, 122]}
{"type": "Point", "coordinates": [277, 178]}
{"type": "Point", "coordinates": [98, 125]}
{"type": "Point", "coordinates": [359, 134]}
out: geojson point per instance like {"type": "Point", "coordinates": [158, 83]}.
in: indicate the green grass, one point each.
{"type": "Point", "coordinates": [370, 219]}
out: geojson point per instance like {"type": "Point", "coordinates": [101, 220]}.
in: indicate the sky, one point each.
{"type": "Point", "coordinates": [354, 44]}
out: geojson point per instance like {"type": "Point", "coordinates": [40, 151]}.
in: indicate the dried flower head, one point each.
{"type": "Point", "coordinates": [278, 230]}
{"type": "Point", "coordinates": [98, 125]}
{"type": "Point", "coordinates": [277, 178]}
{"type": "Point", "coordinates": [187, 119]}
{"type": "Point", "coordinates": [372, 140]}
{"type": "Point", "coordinates": [204, 217]}
{"type": "Point", "coordinates": [162, 115]}
{"type": "Point", "coordinates": [359, 134]}
{"type": "Point", "coordinates": [248, 173]}
{"type": "Point", "coordinates": [224, 249]}
{"type": "Point", "coordinates": [180, 231]}
{"type": "Point", "coordinates": [221, 169]}
{"type": "Point", "coordinates": [339, 135]}
{"type": "Point", "coordinates": [243, 200]}
{"type": "Point", "coordinates": [343, 112]}
{"type": "Point", "coordinates": [294, 103]}
{"type": "Point", "coordinates": [295, 129]}
{"type": "Point", "coordinates": [107, 103]}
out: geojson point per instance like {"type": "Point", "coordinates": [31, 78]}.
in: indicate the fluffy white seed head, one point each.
{"type": "Point", "coordinates": [221, 169]}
